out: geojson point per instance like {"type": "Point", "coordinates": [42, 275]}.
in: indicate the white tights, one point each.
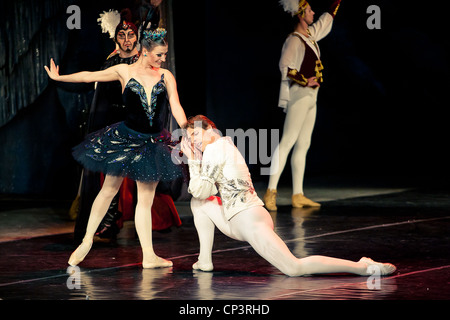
{"type": "Point", "coordinates": [297, 131]}
{"type": "Point", "coordinates": [143, 220]}
{"type": "Point", "coordinates": [255, 226]}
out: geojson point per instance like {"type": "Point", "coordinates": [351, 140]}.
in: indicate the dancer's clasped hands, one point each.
{"type": "Point", "coordinates": [189, 148]}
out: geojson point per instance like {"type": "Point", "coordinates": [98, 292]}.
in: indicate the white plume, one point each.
{"type": "Point", "coordinates": [109, 21]}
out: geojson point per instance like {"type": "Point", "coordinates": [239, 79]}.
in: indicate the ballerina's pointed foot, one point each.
{"type": "Point", "coordinates": [157, 262]}
{"type": "Point", "coordinates": [207, 267]}
{"type": "Point", "coordinates": [385, 268]}
{"type": "Point", "coordinates": [80, 253]}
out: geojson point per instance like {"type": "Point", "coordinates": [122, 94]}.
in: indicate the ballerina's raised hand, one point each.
{"type": "Point", "coordinates": [53, 72]}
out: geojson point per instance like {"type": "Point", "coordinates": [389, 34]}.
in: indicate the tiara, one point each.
{"type": "Point", "coordinates": [158, 34]}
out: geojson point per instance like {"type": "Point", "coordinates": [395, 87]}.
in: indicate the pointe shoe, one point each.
{"type": "Point", "coordinates": [385, 268]}
{"type": "Point", "coordinates": [270, 200]}
{"type": "Point", "coordinates": [300, 201]}
{"type": "Point", "coordinates": [80, 253]}
{"type": "Point", "coordinates": [207, 267]}
{"type": "Point", "coordinates": [157, 262]}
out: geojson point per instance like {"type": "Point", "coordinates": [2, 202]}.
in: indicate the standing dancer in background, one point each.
{"type": "Point", "coordinates": [108, 108]}
{"type": "Point", "coordinates": [301, 76]}
{"type": "Point", "coordinates": [137, 147]}
{"type": "Point", "coordinates": [216, 165]}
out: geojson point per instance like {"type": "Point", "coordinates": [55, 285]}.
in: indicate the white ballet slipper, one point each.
{"type": "Point", "coordinates": [157, 262]}
{"type": "Point", "coordinates": [80, 253]}
{"type": "Point", "coordinates": [385, 268]}
{"type": "Point", "coordinates": [207, 267]}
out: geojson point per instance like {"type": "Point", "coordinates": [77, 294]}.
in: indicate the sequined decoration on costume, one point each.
{"type": "Point", "coordinates": [127, 148]}
{"type": "Point", "coordinates": [231, 190]}
{"type": "Point", "coordinates": [159, 87]}
{"type": "Point", "coordinates": [211, 172]}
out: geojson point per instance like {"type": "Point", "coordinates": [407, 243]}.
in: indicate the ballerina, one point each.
{"type": "Point", "coordinates": [138, 147]}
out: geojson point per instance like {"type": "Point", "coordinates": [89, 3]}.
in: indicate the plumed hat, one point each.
{"type": "Point", "coordinates": [109, 21]}
{"type": "Point", "coordinates": [125, 23]}
{"type": "Point", "coordinates": [294, 7]}
{"type": "Point", "coordinates": [113, 21]}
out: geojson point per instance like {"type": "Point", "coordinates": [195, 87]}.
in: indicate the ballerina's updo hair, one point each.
{"type": "Point", "coordinates": [153, 38]}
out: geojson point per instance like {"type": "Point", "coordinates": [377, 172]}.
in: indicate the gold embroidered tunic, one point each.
{"type": "Point", "coordinates": [300, 55]}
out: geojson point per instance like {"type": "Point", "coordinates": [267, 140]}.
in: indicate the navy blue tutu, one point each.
{"type": "Point", "coordinates": [120, 151]}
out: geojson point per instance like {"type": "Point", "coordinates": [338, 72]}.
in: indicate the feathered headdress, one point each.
{"type": "Point", "coordinates": [109, 21]}
{"type": "Point", "coordinates": [294, 7]}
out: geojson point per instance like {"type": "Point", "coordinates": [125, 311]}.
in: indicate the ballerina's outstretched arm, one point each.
{"type": "Point", "coordinates": [111, 74]}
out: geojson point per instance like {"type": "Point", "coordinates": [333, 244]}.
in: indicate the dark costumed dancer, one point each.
{"type": "Point", "coordinates": [216, 165]}
{"type": "Point", "coordinates": [108, 108]}
{"type": "Point", "coordinates": [301, 76]}
{"type": "Point", "coordinates": [138, 147]}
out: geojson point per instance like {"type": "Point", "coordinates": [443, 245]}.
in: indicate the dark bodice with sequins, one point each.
{"type": "Point", "coordinates": [146, 111]}
{"type": "Point", "coordinates": [107, 105]}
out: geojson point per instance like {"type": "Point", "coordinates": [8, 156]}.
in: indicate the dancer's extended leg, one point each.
{"type": "Point", "coordinates": [255, 226]}
{"type": "Point", "coordinates": [99, 208]}
{"type": "Point", "coordinates": [143, 223]}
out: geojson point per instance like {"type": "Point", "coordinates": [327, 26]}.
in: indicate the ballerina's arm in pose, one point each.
{"type": "Point", "coordinates": [110, 74]}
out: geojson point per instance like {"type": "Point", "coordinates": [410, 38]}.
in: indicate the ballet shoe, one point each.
{"type": "Point", "coordinates": [300, 201]}
{"type": "Point", "coordinates": [80, 253]}
{"type": "Point", "coordinates": [203, 267]}
{"type": "Point", "coordinates": [270, 200]}
{"type": "Point", "coordinates": [157, 262]}
{"type": "Point", "coordinates": [385, 268]}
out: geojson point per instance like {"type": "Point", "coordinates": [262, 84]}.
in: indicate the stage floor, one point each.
{"type": "Point", "coordinates": [407, 227]}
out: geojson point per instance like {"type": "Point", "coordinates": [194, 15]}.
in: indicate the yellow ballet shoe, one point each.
{"type": "Point", "coordinates": [270, 199]}
{"type": "Point", "coordinates": [300, 201]}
